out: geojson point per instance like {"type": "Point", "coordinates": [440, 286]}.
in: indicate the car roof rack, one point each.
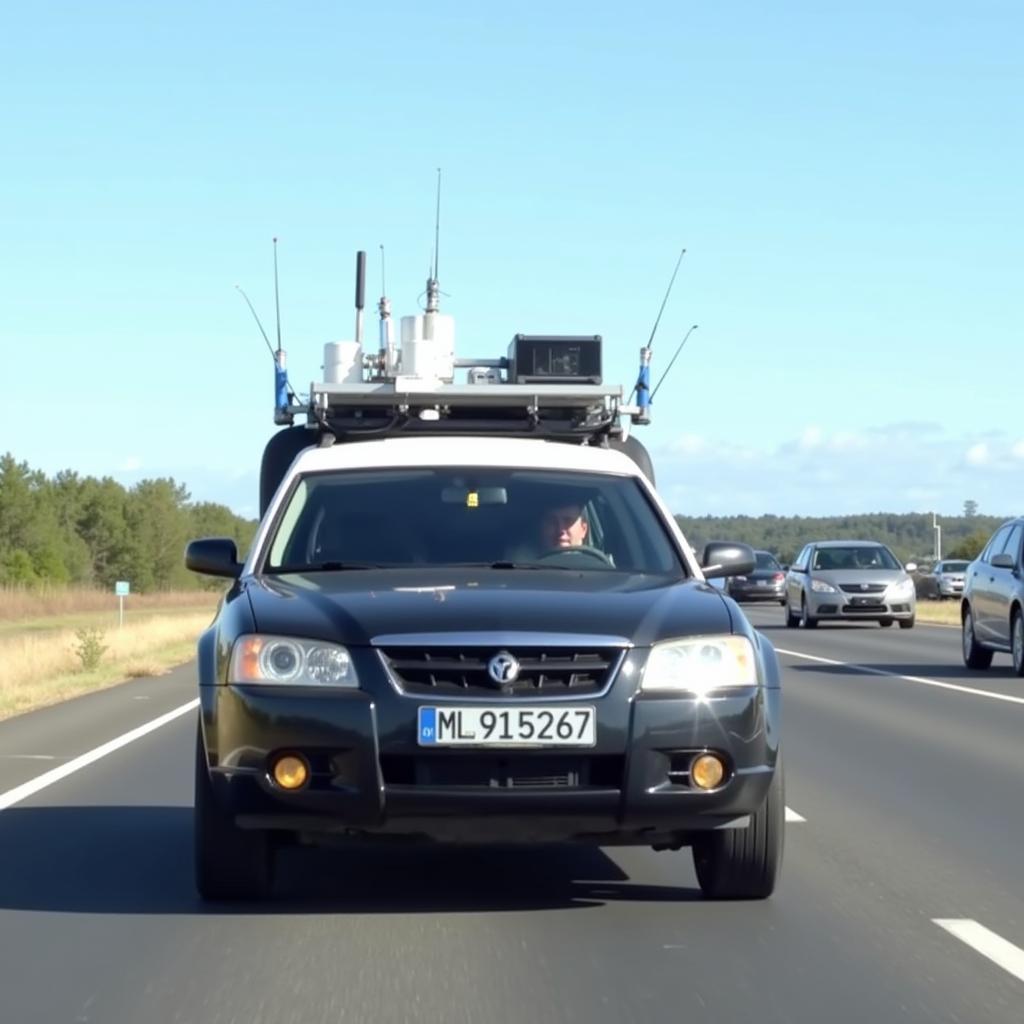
{"type": "Point", "coordinates": [546, 386]}
{"type": "Point", "coordinates": [571, 412]}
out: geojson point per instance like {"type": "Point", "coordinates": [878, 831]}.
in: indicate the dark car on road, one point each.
{"type": "Point", "coordinates": [992, 610]}
{"type": "Point", "coordinates": [766, 583]}
{"type": "Point", "coordinates": [849, 580]}
{"type": "Point", "coordinates": [477, 640]}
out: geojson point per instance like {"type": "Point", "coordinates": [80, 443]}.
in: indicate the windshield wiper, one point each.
{"type": "Point", "coordinates": [301, 567]}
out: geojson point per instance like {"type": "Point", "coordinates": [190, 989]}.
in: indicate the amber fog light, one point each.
{"type": "Point", "coordinates": [707, 771]}
{"type": "Point", "coordinates": [290, 772]}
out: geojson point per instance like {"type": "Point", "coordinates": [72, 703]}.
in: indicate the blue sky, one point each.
{"type": "Point", "coordinates": [847, 183]}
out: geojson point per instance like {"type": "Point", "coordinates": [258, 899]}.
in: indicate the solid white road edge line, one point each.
{"type": "Point", "coordinates": [792, 816]}
{"type": "Point", "coordinates": [986, 942]}
{"type": "Point", "coordinates": [27, 789]}
{"type": "Point", "coordinates": [910, 679]}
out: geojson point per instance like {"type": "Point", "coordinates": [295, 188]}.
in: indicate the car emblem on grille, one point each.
{"type": "Point", "coordinates": [865, 586]}
{"type": "Point", "coordinates": [503, 668]}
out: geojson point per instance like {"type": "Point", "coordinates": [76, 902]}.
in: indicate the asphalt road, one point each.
{"type": "Point", "coordinates": [911, 790]}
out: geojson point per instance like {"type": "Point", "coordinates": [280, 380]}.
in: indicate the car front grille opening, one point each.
{"type": "Point", "coordinates": [463, 671]}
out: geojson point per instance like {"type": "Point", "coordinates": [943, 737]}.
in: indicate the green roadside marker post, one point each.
{"type": "Point", "coordinates": [121, 590]}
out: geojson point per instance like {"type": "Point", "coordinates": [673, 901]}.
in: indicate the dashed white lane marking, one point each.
{"type": "Point", "coordinates": [792, 816]}
{"type": "Point", "coordinates": [986, 942]}
{"type": "Point", "coordinates": [28, 757]}
{"type": "Point", "coordinates": [27, 789]}
{"type": "Point", "coordinates": [992, 695]}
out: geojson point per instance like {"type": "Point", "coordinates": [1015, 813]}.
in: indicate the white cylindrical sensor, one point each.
{"type": "Point", "coordinates": [343, 362]}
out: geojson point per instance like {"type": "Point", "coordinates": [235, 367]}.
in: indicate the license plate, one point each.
{"type": "Point", "coordinates": [762, 583]}
{"type": "Point", "coordinates": [506, 727]}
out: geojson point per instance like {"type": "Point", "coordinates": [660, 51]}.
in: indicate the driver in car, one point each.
{"type": "Point", "coordinates": [564, 526]}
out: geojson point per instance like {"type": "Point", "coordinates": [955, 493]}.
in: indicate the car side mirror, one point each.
{"type": "Point", "coordinates": [1003, 561]}
{"type": "Point", "coordinates": [213, 556]}
{"type": "Point", "coordinates": [911, 567]}
{"type": "Point", "coordinates": [723, 559]}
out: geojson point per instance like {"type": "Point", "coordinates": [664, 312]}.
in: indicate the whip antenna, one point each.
{"type": "Point", "coordinates": [277, 299]}
{"type": "Point", "coordinates": [668, 292]}
{"type": "Point", "coordinates": [672, 360]}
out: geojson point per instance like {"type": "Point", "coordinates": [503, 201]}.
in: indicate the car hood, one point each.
{"type": "Point", "coordinates": [355, 607]}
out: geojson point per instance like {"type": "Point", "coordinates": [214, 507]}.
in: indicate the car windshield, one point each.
{"type": "Point", "coordinates": [505, 518]}
{"type": "Point", "coordinates": [766, 561]}
{"type": "Point", "coordinates": [953, 566]}
{"type": "Point", "coordinates": [854, 557]}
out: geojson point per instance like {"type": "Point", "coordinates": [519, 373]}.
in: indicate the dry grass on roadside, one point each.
{"type": "Point", "coordinates": [944, 613]}
{"type": "Point", "coordinates": [19, 603]}
{"type": "Point", "coordinates": [43, 668]}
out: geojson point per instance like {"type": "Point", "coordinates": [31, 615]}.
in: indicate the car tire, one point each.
{"type": "Point", "coordinates": [1017, 642]}
{"type": "Point", "coordinates": [783, 602]}
{"type": "Point", "coordinates": [885, 623]}
{"type": "Point", "coordinates": [807, 620]}
{"type": "Point", "coordinates": [975, 656]}
{"type": "Point", "coordinates": [907, 623]}
{"type": "Point", "coordinates": [744, 863]}
{"type": "Point", "coordinates": [230, 863]}
{"type": "Point", "coordinates": [792, 621]}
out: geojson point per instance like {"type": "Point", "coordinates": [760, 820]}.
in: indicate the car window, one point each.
{"type": "Point", "coordinates": [952, 567]}
{"type": "Point", "coordinates": [765, 560]}
{"type": "Point", "coordinates": [1012, 545]}
{"type": "Point", "coordinates": [458, 515]}
{"type": "Point", "coordinates": [801, 559]}
{"type": "Point", "coordinates": [855, 557]}
{"type": "Point", "coordinates": [995, 545]}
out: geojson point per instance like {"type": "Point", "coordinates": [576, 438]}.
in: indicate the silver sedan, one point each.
{"type": "Point", "coordinates": [849, 580]}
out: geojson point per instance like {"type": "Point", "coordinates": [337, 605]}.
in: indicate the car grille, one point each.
{"type": "Point", "coordinates": [517, 772]}
{"type": "Point", "coordinates": [863, 588]}
{"type": "Point", "coordinates": [462, 671]}
{"type": "Point", "coordinates": [864, 606]}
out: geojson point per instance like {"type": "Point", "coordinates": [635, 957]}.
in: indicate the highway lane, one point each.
{"type": "Point", "coordinates": [911, 795]}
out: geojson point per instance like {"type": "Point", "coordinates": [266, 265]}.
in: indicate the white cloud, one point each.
{"type": "Point", "coordinates": [978, 454]}
{"type": "Point", "coordinates": [131, 464]}
{"type": "Point", "coordinates": [688, 444]}
{"type": "Point", "coordinates": [899, 467]}
{"type": "Point", "coordinates": [846, 442]}
{"type": "Point", "coordinates": [811, 438]}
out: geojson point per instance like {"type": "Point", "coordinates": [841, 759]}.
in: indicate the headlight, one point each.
{"type": "Point", "coordinates": [821, 587]}
{"type": "Point", "coordinates": [700, 665]}
{"type": "Point", "coordinates": [288, 660]}
{"type": "Point", "coordinates": [904, 589]}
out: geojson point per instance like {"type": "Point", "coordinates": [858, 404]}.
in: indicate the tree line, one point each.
{"type": "Point", "coordinates": [74, 529]}
{"type": "Point", "coordinates": [909, 535]}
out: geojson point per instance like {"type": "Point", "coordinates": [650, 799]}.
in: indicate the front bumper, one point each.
{"type": "Point", "coordinates": [370, 779]}
{"type": "Point", "coordinates": [871, 607]}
